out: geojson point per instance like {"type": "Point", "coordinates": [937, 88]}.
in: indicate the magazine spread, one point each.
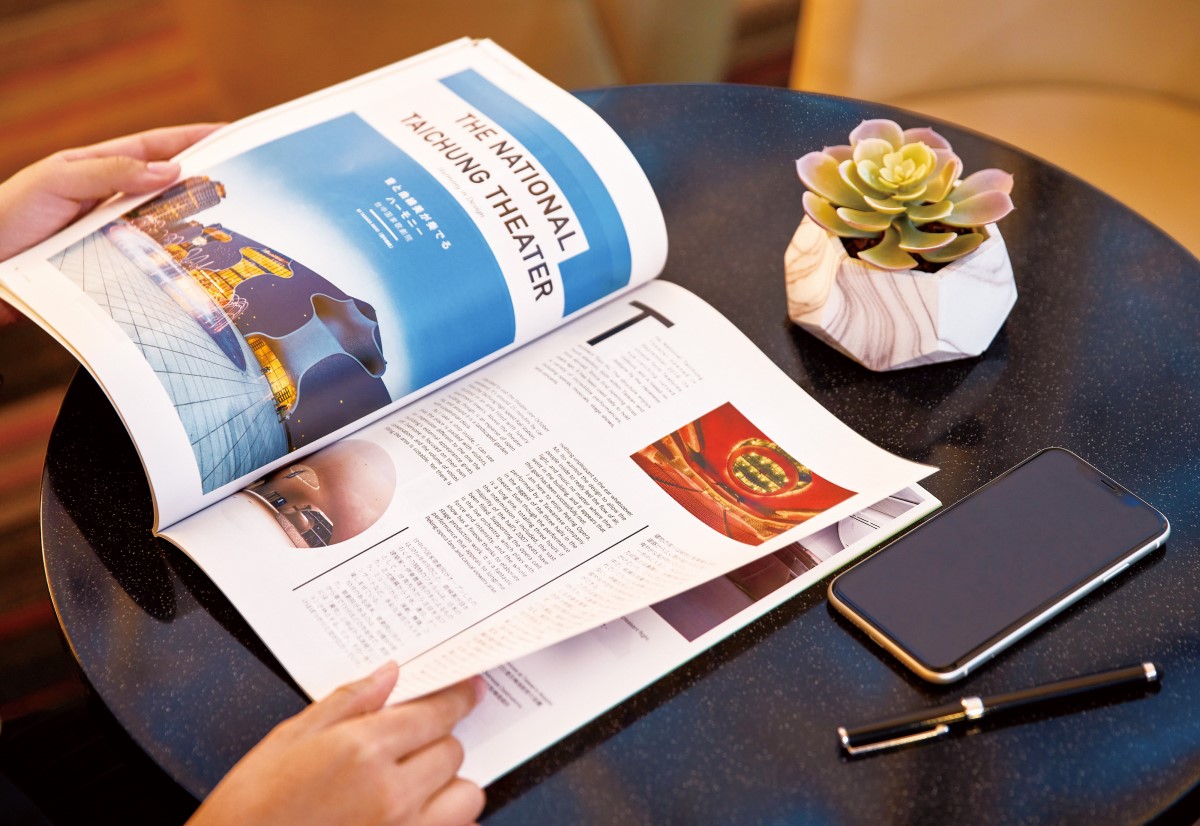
{"type": "Point", "coordinates": [327, 261]}
{"type": "Point", "coordinates": [403, 385]}
{"type": "Point", "coordinates": [634, 453]}
{"type": "Point", "coordinates": [538, 700]}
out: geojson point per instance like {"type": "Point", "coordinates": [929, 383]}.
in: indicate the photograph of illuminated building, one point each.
{"type": "Point", "coordinates": [729, 475]}
{"type": "Point", "coordinates": [294, 342]}
{"type": "Point", "coordinates": [175, 205]}
{"type": "Point", "coordinates": [296, 288]}
{"type": "Point", "coordinates": [292, 322]}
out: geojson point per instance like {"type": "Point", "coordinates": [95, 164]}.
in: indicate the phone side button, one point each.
{"type": "Point", "coordinates": [1114, 572]}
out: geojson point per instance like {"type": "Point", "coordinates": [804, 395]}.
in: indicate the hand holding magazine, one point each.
{"type": "Point", "coordinates": [403, 386]}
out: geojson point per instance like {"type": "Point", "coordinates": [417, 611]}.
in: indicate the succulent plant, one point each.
{"type": "Point", "coordinates": [902, 187]}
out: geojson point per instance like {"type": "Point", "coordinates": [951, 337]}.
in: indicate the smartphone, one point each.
{"type": "Point", "coordinates": [960, 588]}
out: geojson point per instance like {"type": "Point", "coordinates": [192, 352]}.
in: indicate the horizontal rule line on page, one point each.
{"type": "Point", "coordinates": [347, 559]}
{"type": "Point", "coordinates": [523, 596]}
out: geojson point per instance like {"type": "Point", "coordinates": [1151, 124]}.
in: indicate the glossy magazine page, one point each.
{"type": "Point", "coordinates": [633, 454]}
{"type": "Point", "coordinates": [331, 259]}
{"type": "Point", "coordinates": [537, 700]}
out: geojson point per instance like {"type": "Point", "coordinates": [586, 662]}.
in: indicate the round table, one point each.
{"type": "Point", "coordinates": [1099, 355]}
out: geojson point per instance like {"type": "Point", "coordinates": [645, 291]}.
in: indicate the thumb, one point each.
{"type": "Point", "coordinates": [353, 699]}
{"type": "Point", "coordinates": [95, 179]}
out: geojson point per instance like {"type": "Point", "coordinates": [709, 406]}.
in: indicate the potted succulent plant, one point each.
{"type": "Point", "coordinates": [898, 261]}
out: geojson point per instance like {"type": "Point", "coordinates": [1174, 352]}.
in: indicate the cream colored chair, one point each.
{"type": "Point", "coordinates": [1106, 89]}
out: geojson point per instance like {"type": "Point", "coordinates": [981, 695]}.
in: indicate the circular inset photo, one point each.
{"type": "Point", "coordinates": [331, 496]}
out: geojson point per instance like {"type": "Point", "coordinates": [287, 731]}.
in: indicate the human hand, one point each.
{"type": "Point", "coordinates": [347, 759]}
{"type": "Point", "coordinates": [45, 196]}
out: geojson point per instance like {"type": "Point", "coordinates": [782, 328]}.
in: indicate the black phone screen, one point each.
{"type": "Point", "coordinates": [969, 576]}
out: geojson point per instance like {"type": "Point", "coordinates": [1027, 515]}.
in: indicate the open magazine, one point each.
{"type": "Point", "coordinates": [541, 698]}
{"type": "Point", "coordinates": [403, 386]}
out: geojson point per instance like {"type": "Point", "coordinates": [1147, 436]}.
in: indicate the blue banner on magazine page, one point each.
{"type": "Point", "coordinates": [344, 188]}
{"type": "Point", "coordinates": [605, 266]}
{"type": "Point", "coordinates": [319, 265]}
{"type": "Point", "coordinates": [295, 288]}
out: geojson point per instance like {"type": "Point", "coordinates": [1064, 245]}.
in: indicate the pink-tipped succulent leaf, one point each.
{"type": "Point", "coordinates": [889, 183]}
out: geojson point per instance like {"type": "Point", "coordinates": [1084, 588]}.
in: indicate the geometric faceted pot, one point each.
{"type": "Point", "coordinates": [888, 320]}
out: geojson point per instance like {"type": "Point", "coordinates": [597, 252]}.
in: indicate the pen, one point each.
{"type": "Point", "coordinates": [935, 722]}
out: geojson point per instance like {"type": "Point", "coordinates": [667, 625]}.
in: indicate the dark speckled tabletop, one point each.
{"type": "Point", "coordinates": [1099, 355]}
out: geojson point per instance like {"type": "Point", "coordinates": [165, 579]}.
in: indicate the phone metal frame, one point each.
{"type": "Point", "coordinates": [1026, 624]}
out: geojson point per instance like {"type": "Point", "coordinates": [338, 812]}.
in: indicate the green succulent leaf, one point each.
{"type": "Point", "coordinates": [887, 254]}
{"type": "Point", "coordinates": [888, 205]}
{"type": "Point", "coordinates": [914, 194]}
{"type": "Point", "coordinates": [868, 173]}
{"type": "Point", "coordinates": [943, 181]}
{"type": "Point", "coordinates": [893, 184]}
{"type": "Point", "coordinates": [984, 208]}
{"type": "Point", "coordinates": [827, 218]}
{"type": "Point", "coordinates": [907, 170]}
{"type": "Point", "coordinates": [878, 129]}
{"type": "Point", "coordinates": [819, 172]}
{"type": "Point", "coordinates": [985, 180]}
{"type": "Point", "coordinates": [872, 149]}
{"type": "Point", "coordinates": [924, 213]}
{"type": "Point", "coordinates": [873, 222]}
{"type": "Point", "coordinates": [849, 173]}
{"type": "Point", "coordinates": [957, 248]}
{"type": "Point", "coordinates": [915, 240]}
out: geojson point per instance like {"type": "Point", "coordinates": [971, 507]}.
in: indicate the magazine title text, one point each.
{"type": "Point", "coordinates": [518, 174]}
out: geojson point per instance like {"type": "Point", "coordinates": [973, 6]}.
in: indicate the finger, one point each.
{"type": "Point", "coordinates": [155, 144]}
{"type": "Point", "coordinates": [94, 179]}
{"type": "Point", "coordinates": [459, 801]}
{"type": "Point", "coordinates": [407, 727]}
{"type": "Point", "coordinates": [353, 699]}
{"type": "Point", "coordinates": [430, 768]}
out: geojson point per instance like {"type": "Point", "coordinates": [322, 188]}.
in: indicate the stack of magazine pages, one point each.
{"type": "Point", "coordinates": [404, 386]}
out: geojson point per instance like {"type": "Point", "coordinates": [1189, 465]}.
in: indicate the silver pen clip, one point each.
{"type": "Point", "coordinates": [895, 742]}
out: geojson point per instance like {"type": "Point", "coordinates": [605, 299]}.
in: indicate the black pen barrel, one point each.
{"type": "Point", "coordinates": [926, 721]}
{"type": "Point", "coordinates": [903, 726]}
{"type": "Point", "coordinates": [1142, 674]}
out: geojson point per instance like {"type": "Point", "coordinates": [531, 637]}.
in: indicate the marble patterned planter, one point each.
{"type": "Point", "coordinates": [889, 320]}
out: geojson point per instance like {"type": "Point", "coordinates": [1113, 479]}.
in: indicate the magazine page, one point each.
{"type": "Point", "coordinates": [538, 700]}
{"type": "Point", "coordinates": [639, 451]}
{"type": "Point", "coordinates": [327, 261]}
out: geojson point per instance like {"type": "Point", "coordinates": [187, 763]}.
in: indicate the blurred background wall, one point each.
{"type": "Point", "coordinates": [78, 71]}
{"type": "Point", "coordinates": [1107, 89]}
